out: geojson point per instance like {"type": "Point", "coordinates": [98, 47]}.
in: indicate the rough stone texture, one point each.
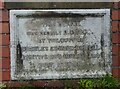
{"type": "Point", "coordinates": [58, 44]}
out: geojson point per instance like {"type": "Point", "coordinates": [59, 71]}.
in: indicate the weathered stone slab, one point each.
{"type": "Point", "coordinates": [58, 44]}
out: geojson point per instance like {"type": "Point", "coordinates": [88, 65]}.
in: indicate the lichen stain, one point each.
{"type": "Point", "coordinates": [37, 23]}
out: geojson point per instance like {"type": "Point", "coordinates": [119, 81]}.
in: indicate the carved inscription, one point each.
{"type": "Point", "coordinates": [60, 40]}
{"type": "Point", "coordinates": [61, 46]}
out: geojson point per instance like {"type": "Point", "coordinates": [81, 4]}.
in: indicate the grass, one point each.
{"type": "Point", "coordinates": [105, 82]}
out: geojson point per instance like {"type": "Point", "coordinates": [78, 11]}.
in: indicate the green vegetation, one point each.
{"type": "Point", "coordinates": [105, 82]}
{"type": "Point", "coordinates": [2, 85]}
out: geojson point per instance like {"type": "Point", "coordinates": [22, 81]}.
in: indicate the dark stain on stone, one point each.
{"type": "Point", "coordinates": [102, 49]}
{"type": "Point", "coordinates": [19, 58]}
{"type": "Point", "coordinates": [102, 40]}
{"type": "Point", "coordinates": [102, 45]}
{"type": "Point", "coordinates": [48, 14]}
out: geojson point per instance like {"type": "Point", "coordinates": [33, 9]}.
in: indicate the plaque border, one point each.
{"type": "Point", "coordinates": [15, 14]}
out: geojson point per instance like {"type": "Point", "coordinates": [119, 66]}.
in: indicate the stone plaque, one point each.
{"type": "Point", "coordinates": [58, 44]}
